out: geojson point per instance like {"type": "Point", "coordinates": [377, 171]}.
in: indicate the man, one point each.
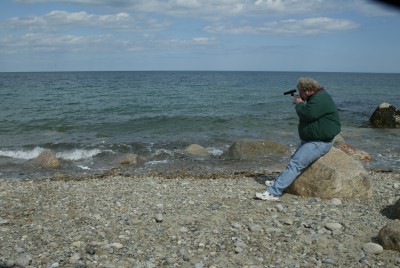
{"type": "Point", "coordinates": [318, 124]}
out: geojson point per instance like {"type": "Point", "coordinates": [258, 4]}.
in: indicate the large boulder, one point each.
{"type": "Point", "coordinates": [46, 159]}
{"type": "Point", "coordinates": [385, 116]}
{"type": "Point", "coordinates": [252, 149]}
{"type": "Point", "coordinates": [389, 236]}
{"type": "Point", "coordinates": [334, 175]}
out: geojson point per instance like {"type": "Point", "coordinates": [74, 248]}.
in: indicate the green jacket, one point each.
{"type": "Point", "coordinates": [319, 118]}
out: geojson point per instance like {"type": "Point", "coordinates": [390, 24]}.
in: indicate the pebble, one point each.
{"type": "Point", "coordinates": [336, 201]}
{"type": "Point", "coordinates": [279, 207]}
{"type": "Point", "coordinates": [333, 226]}
{"type": "Point", "coordinates": [159, 217]}
{"type": "Point", "coordinates": [121, 222]}
{"type": "Point", "coordinates": [372, 248]}
{"type": "Point", "coordinates": [3, 221]}
{"type": "Point", "coordinates": [255, 228]}
{"type": "Point", "coordinates": [117, 245]}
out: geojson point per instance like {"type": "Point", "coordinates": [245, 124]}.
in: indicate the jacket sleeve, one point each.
{"type": "Point", "coordinates": [311, 110]}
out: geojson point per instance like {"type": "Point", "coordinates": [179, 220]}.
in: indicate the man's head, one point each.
{"type": "Point", "coordinates": [307, 87]}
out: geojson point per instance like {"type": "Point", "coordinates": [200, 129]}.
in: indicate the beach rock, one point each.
{"type": "Point", "coordinates": [196, 150]}
{"type": "Point", "coordinates": [207, 221]}
{"type": "Point", "coordinates": [46, 159]}
{"type": "Point", "coordinates": [397, 209]}
{"type": "Point", "coordinates": [389, 236]}
{"type": "Point", "coordinates": [354, 152]}
{"type": "Point", "coordinates": [372, 248]}
{"type": "Point", "coordinates": [252, 149]}
{"type": "Point", "coordinates": [130, 160]}
{"type": "Point", "coordinates": [335, 175]}
{"type": "Point", "coordinates": [385, 116]}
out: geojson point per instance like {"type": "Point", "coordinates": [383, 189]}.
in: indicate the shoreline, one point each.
{"type": "Point", "coordinates": [179, 219]}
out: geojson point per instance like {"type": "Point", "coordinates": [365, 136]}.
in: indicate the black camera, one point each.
{"type": "Point", "coordinates": [291, 92]}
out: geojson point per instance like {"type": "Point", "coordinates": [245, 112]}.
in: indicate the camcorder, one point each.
{"type": "Point", "coordinates": [291, 92]}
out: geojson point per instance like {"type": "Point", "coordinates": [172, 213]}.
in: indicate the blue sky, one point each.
{"type": "Point", "coordinates": [244, 35]}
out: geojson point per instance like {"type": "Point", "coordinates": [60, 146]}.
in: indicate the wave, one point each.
{"type": "Point", "coordinates": [78, 154]}
{"type": "Point", "coordinates": [23, 154]}
{"type": "Point", "coordinates": [73, 155]}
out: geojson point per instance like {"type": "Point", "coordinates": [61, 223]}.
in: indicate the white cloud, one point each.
{"type": "Point", "coordinates": [217, 9]}
{"type": "Point", "coordinates": [57, 20]}
{"type": "Point", "coordinates": [291, 26]}
{"type": "Point", "coordinates": [191, 41]}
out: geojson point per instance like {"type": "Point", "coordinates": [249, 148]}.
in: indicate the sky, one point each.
{"type": "Point", "coordinates": [200, 35]}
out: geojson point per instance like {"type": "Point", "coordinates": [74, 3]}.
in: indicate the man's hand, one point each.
{"type": "Point", "coordinates": [297, 99]}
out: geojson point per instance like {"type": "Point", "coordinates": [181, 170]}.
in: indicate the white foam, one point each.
{"type": "Point", "coordinates": [78, 154]}
{"type": "Point", "coordinates": [26, 155]}
{"type": "Point", "coordinates": [84, 167]}
{"type": "Point", "coordinates": [156, 162]}
{"type": "Point", "coordinates": [164, 151]}
{"type": "Point", "coordinates": [215, 151]}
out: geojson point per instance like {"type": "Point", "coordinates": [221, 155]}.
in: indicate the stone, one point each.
{"type": "Point", "coordinates": [385, 116]}
{"type": "Point", "coordinates": [196, 150]}
{"type": "Point", "coordinates": [372, 248]}
{"type": "Point", "coordinates": [117, 245]}
{"type": "Point", "coordinates": [159, 217]}
{"type": "Point", "coordinates": [336, 201]}
{"type": "Point", "coordinates": [396, 209]}
{"type": "Point", "coordinates": [23, 260]}
{"type": "Point", "coordinates": [252, 149]}
{"type": "Point", "coordinates": [389, 236]}
{"type": "Point", "coordinates": [130, 160]}
{"type": "Point", "coordinates": [334, 175]}
{"type": "Point", "coordinates": [255, 228]}
{"type": "Point", "coordinates": [333, 226]}
{"type": "Point", "coordinates": [47, 159]}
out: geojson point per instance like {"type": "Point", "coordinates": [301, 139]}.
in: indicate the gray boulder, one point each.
{"type": "Point", "coordinates": [252, 149]}
{"type": "Point", "coordinates": [385, 116]}
{"type": "Point", "coordinates": [389, 236]}
{"type": "Point", "coordinates": [335, 175]}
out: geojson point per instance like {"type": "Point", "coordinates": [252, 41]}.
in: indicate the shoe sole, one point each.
{"type": "Point", "coordinates": [269, 183]}
{"type": "Point", "coordinates": [263, 197]}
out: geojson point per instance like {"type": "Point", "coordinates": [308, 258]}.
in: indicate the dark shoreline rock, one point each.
{"type": "Point", "coordinates": [385, 116]}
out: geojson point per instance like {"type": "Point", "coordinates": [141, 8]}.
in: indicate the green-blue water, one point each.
{"type": "Point", "coordinates": [90, 118]}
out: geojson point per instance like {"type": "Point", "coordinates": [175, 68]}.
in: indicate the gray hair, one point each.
{"type": "Point", "coordinates": [308, 84]}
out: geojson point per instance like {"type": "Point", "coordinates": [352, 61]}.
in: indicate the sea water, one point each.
{"type": "Point", "coordinates": [89, 119]}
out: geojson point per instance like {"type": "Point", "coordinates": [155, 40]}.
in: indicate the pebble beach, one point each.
{"type": "Point", "coordinates": [187, 220]}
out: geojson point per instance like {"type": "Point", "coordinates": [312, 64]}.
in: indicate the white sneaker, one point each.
{"type": "Point", "coordinates": [269, 183]}
{"type": "Point", "coordinates": [267, 196]}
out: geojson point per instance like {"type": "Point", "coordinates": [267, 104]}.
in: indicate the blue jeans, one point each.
{"type": "Point", "coordinates": [305, 155]}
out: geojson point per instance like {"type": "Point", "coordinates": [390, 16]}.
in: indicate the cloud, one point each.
{"type": "Point", "coordinates": [45, 42]}
{"type": "Point", "coordinates": [196, 41]}
{"type": "Point", "coordinates": [57, 19]}
{"type": "Point", "coordinates": [215, 9]}
{"type": "Point", "coordinates": [291, 26]}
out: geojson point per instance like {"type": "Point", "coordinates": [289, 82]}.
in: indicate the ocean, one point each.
{"type": "Point", "coordinates": [90, 119]}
